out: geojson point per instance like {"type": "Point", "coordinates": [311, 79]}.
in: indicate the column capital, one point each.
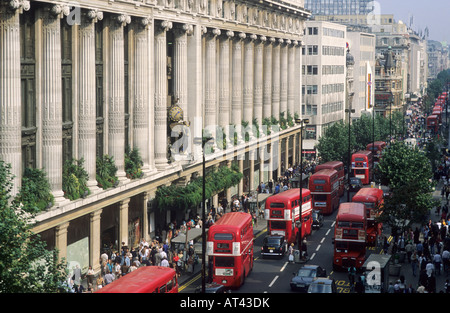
{"type": "Point", "coordinates": [229, 33]}
{"type": "Point", "coordinates": [241, 36]}
{"type": "Point", "coordinates": [252, 37]}
{"type": "Point", "coordinates": [94, 15]}
{"type": "Point", "coordinates": [20, 5]}
{"type": "Point", "coordinates": [164, 25]}
{"type": "Point", "coordinates": [59, 11]}
{"type": "Point", "coordinates": [213, 32]}
{"type": "Point", "coordinates": [145, 22]}
{"type": "Point", "coordinates": [263, 38]}
{"type": "Point", "coordinates": [123, 19]}
{"type": "Point", "coordinates": [182, 29]}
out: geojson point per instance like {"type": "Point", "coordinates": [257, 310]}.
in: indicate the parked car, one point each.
{"type": "Point", "coordinates": [274, 245]}
{"type": "Point", "coordinates": [354, 184]}
{"type": "Point", "coordinates": [322, 285]}
{"type": "Point", "coordinates": [305, 276]}
{"type": "Point", "coordinates": [317, 219]}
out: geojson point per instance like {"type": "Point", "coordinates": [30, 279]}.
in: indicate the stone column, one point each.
{"type": "Point", "coordinates": [123, 222]}
{"type": "Point", "coordinates": [267, 79]}
{"type": "Point", "coordinates": [144, 223]}
{"type": "Point", "coordinates": [141, 105]}
{"type": "Point", "coordinates": [298, 78]}
{"type": "Point", "coordinates": [210, 81]}
{"type": "Point", "coordinates": [284, 77]}
{"type": "Point", "coordinates": [180, 69]}
{"type": "Point", "coordinates": [258, 80]}
{"type": "Point", "coordinates": [291, 79]}
{"type": "Point", "coordinates": [224, 82]}
{"type": "Point", "coordinates": [161, 94]}
{"type": "Point", "coordinates": [10, 89]}
{"type": "Point", "coordinates": [95, 240]}
{"type": "Point", "coordinates": [87, 92]}
{"type": "Point", "coordinates": [51, 97]}
{"type": "Point", "coordinates": [251, 180]}
{"type": "Point", "coordinates": [276, 78]}
{"type": "Point", "coordinates": [61, 240]}
{"type": "Point", "coordinates": [236, 82]}
{"type": "Point", "coordinates": [116, 97]}
{"type": "Point", "coordinates": [248, 85]}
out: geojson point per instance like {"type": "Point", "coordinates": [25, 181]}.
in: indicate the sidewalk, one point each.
{"type": "Point", "coordinates": [406, 268]}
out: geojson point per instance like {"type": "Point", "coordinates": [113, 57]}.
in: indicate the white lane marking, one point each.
{"type": "Point", "coordinates": [312, 256]}
{"type": "Point", "coordinates": [323, 239]}
{"type": "Point", "coordinates": [318, 247]}
{"type": "Point", "coordinates": [273, 281]}
{"type": "Point", "coordinates": [284, 266]}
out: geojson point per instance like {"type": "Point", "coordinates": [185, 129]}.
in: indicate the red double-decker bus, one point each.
{"type": "Point", "coordinates": [145, 279]}
{"type": "Point", "coordinates": [350, 236]}
{"type": "Point", "coordinates": [230, 249]}
{"type": "Point", "coordinates": [373, 200]}
{"type": "Point", "coordinates": [362, 165]}
{"type": "Point", "coordinates": [433, 123]}
{"type": "Point", "coordinates": [338, 166]}
{"type": "Point", "coordinates": [376, 148]}
{"type": "Point", "coordinates": [282, 213]}
{"type": "Point", "coordinates": [324, 187]}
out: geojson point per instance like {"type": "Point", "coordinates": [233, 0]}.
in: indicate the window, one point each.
{"type": "Point", "coordinates": [313, 30]}
{"type": "Point", "coordinates": [313, 50]}
{"type": "Point", "coordinates": [312, 70]}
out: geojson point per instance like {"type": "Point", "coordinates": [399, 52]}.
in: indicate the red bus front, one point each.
{"type": "Point", "coordinates": [145, 279]}
{"type": "Point", "coordinates": [230, 249]}
{"type": "Point", "coordinates": [362, 166]}
{"type": "Point", "coordinates": [373, 200]}
{"type": "Point", "coordinates": [282, 212]}
{"type": "Point", "coordinates": [324, 187]}
{"type": "Point", "coordinates": [338, 166]}
{"type": "Point", "coordinates": [350, 236]}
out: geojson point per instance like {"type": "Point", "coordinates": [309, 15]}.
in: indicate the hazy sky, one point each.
{"type": "Point", "coordinates": [434, 14]}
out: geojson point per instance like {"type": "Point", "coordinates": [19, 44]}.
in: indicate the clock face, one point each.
{"type": "Point", "coordinates": [176, 113]}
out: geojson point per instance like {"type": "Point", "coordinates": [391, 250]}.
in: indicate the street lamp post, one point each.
{"type": "Point", "coordinates": [349, 111]}
{"type": "Point", "coordinates": [203, 141]}
{"type": "Point", "coordinates": [302, 123]}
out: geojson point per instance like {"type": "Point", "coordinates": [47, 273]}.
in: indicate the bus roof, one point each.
{"type": "Point", "coordinates": [362, 152]}
{"type": "Point", "coordinates": [330, 164]}
{"type": "Point", "coordinates": [145, 279]}
{"type": "Point", "coordinates": [322, 173]}
{"type": "Point", "coordinates": [288, 195]}
{"type": "Point", "coordinates": [237, 219]}
{"type": "Point", "coordinates": [351, 211]}
{"type": "Point", "coordinates": [368, 193]}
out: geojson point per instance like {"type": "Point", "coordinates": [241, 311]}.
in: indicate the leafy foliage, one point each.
{"type": "Point", "coordinates": [106, 172]}
{"type": "Point", "coordinates": [133, 163]}
{"type": "Point", "coordinates": [75, 179]}
{"type": "Point", "coordinates": [177, 197]}
{"type": "Point", "coordinates": [407, 172]}
{"type": "Point", "coordinates": [26, 266]}
{"type": "Point", "coordinates": [35, 193]}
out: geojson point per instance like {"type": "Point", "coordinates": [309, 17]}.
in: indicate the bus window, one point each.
{"type": "Point", "coordinates": [220, 236]}
{"type": "Point", "coordinates": [224, 261]}
{"type": "Point", "coordinates": [162, 289]}
{"type": "Point", "coordinates": [277, 224]}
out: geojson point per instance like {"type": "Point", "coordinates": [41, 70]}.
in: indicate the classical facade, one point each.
{"type": "Point", "coordinates": [95, 77]}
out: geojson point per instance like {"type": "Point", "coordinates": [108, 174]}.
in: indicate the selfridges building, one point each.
{"type": "Point", "coordinates": [81, 80]}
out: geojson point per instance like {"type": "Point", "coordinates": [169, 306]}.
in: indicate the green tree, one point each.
{"type": "Point", "coordinates": [407, 172]}
{"type": "Point", "coordinates": [26, 266]}
{"type": "Point", "coordinates": [333, 145]}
